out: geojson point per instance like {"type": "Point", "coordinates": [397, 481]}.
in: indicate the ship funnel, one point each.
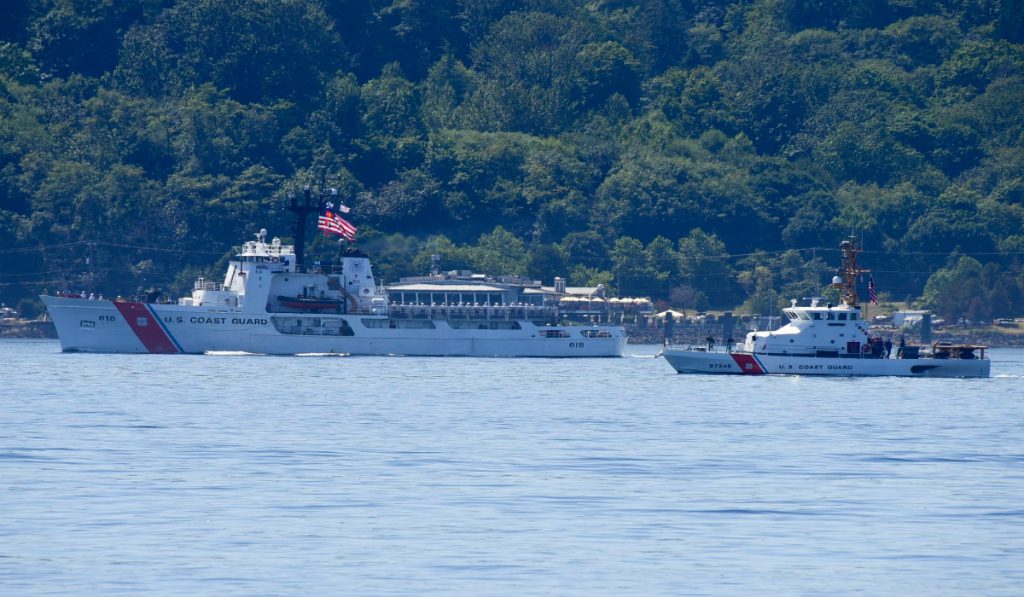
{"type": "Point", "coordinates": [357, 278]}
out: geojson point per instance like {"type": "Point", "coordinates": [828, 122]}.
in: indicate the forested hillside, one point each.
{"type": "Point", "coordinates": [706, 152]}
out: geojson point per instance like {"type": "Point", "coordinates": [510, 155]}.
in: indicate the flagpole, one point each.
{"type": "Point", "coordinates": [331, 223]}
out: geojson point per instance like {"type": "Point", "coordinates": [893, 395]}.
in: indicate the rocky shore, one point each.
{"type": "Point", "coordinates": [20, 328]}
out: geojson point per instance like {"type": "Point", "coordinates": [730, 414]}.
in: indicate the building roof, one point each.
{"type": "Point", "coordinates": [444, 287]}
{"type": "Point", "coordinates": [576, 290]}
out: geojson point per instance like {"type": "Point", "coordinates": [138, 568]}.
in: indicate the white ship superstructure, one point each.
{"type": "Point", "coordinates": [269, 304]}
{"type": "Point", "coordinates": [822, 339]}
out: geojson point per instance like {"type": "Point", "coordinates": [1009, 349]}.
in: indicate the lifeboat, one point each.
{"type": "Point", "coordinates": [309, 303]}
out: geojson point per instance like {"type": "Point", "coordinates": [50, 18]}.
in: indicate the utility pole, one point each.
{"type": "Point", "coordinates": [90, 261]}
{"type": "Point", "coordinates": [814, 271]}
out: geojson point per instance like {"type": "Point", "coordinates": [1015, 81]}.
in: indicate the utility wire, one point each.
{"type": "Point", "coordinates": [106, 244]}
{"type": "Point", "coordinates": [724, 256]}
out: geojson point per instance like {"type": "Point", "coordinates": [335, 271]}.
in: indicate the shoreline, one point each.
{"type": "Point", "coordinates": [28, 329]}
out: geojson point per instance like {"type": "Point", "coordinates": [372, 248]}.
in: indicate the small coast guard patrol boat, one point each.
{"type": "Point", "coordinates": [822, 339]}
{"type": "Point", "coordinates": [271, 303]}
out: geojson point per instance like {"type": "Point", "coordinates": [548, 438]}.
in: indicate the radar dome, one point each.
{"type": "Point", "coordinates": [837, 280]}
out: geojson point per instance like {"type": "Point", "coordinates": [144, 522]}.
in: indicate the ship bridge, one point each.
{"type": "Point", "coordinates": [812, 330]}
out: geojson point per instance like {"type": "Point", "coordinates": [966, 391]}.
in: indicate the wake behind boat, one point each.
{"type": "Point", "coordinates": [831, 340]}
{"type": "Point", "coordinates": [271, 303]}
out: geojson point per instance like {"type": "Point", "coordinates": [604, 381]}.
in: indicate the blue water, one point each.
{"type": "Point", "coordinates": [252, 475]}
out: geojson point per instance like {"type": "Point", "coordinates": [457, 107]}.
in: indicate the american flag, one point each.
{"type": "Point", "coordinates": [331, 222]}
{"type": "Point", "coordinates": [871, 291]}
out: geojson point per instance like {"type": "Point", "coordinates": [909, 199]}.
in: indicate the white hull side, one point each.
{"type": "Point", "coordinates": [91, 326]}
{"type": "Point", "coordinates": [695, 361]}
{"type": "Point", "coordinates": [104, 326]}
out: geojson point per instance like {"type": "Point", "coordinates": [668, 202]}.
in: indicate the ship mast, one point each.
{"type": "Point", "coordinates": [846, 279]}
{"type": "Point", "coordinates": [301, 210]}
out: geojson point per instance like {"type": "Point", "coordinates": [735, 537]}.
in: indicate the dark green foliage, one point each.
{"type": "Point", "coordinates": [527, 62]}
{"type": "Point", "coordinates": [424, 31]}
{"type": "Point", "coordinates": [704, 264]}
{"type": "Point", "coordinates": [605, 69]}
{"type": "Point", "coordinates": [544, 262]}
{"type": "Point", "coordinates": [1010, 24]}
{"type": "Point", "coordinates": [81, 36]}
{"type": "Point", "coordinates": [260, 50]}
{"type": "Point", "coordinates": [588, 249]}
{"type": "Point", "coordinates": [14, 25]}
{"type": "Point", "coordinates": [967, 290]}
{"type": "Point", "coordinates": [705, 152]}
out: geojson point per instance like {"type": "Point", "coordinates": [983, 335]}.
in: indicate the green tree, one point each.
{"type": "Point", "coordinates": [1010, 24]}
{"type": "Point", "coordinates": [545, 262]}
{"type": "Point", "coordinates": [704, 265]}
{"type": "Point", "coordinates": [767, 125]}
{"type": "Point", "coordinates": [423, 31]}
{"type": "Point", "coordinates": [260, 50]}
{"type": "Point", "coordinates": [499, 253]}
{"type": "Point", "coordinates": [762, 299]}
{"type": "Point", "coordinates": [606, 68]}
{"type": "Point", "coordinates": [951, 291]}
{"type": "Point", "coordinates": [445, 88]}
{"type": "Point", "coordinates": [449, 255]}
{"type": "Point", "coordinates": [593, 277]}
{"type": "Point", "coordinates": [664, 267]}
{"type": "Point", "coordinates": [527, 61]}
{"type": "Point", "coordinates": [410, 202]}
{"type": "Point", "coordinates": [393, 130]}
{"type": "Point", "coordinates": [69, 36]}
{"type": "Point", "coordinates": [394, 255]}
{"type": "Point", "coordinates": [588, 249]}
{"type": "Point", "coordinates": [630, 267]}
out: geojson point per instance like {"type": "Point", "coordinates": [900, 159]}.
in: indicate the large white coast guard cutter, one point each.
{"type": "Point", "coordinates": [830, 340]}
{"type": "Point", "coordinates": [270, 303]}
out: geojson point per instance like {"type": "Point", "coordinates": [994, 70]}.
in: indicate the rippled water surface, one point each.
{"type": "Point", "coordinates": [224, 475]}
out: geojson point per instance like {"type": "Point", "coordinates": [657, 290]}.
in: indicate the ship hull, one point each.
{"type": "Point", "coordinates": [130, 327]}
{"type": "Point", "coordinates": [740, 363]}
